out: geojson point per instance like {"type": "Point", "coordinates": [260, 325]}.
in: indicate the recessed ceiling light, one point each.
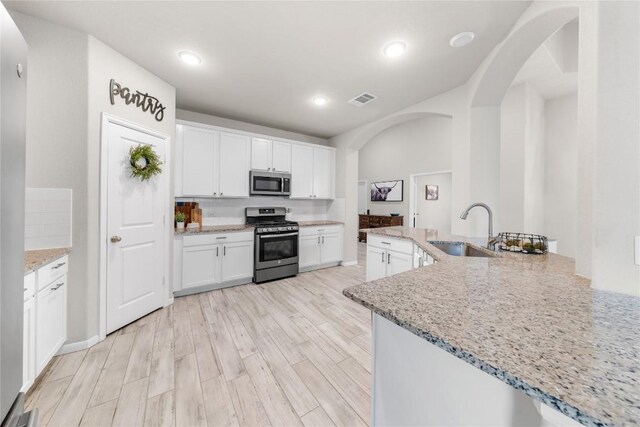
{"type": "Point", "coordinates": [394, 49]}
{"type": "Point", "coordinates": [189, 58]}
{"type": "Point", "coordinates": [462, 39]}
{"type": "Point", "coordinates": [320, 100]}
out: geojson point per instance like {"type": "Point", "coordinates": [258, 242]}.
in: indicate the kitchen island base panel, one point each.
{"type": "Point", "coordinates": [418, 383]}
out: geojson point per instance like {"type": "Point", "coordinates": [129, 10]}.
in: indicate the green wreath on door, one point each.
{"type": "Point", "coordinates": [145, 163]}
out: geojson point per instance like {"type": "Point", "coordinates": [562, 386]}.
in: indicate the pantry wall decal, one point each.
{"type": "Point", "coordinates": [141, 100]}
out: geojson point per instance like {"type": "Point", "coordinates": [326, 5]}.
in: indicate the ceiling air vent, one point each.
{"type": "Point", "coordinates": [362, 99]}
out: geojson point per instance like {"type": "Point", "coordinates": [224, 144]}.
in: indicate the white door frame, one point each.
{"type": "Point", "coordinates": [106, 120]}
{"type": "Point", "coordinates": [413, 193]}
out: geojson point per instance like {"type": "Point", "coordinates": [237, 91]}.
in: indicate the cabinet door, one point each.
{"type": "Point", "coordinates": [260, 154]}
{"type": "Point", "coordinates": [398, 262]}
{"type": "Point", "coordinates": [51, 321]}
{"type": "Point", "coordinates": [29, 342]}
{"type": "Point", "coordinates": [309, 250]}
{"type": "Point", "coordinates": [200, 265]}
{"type": "Point", "coordinates": [376, 263]}
{"type": "Point", "coordinates": [234, 165]}
{"type": "Point", "coordinates": [198, 159]}
{"type": "Point", "coordinates": [281, 156]}
{"type": "Point", "coordinates": [301, 172]}
{"type": "Point", "coordinates": [330, 248]}
{"type": "Point", "coordinates": [237, 260]}
{"type": "Point", "coordinates": [323, 173]}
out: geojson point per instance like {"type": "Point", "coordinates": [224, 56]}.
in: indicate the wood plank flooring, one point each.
{"type": "Point", "coordinates": [285, 353]}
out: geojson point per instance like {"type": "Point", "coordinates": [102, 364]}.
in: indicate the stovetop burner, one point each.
{"type": "Point", "coordinates": [270, 220]}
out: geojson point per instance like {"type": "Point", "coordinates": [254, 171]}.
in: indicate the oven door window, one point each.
{"type": "Point", "coordinates": [274, 247]}
{"type": "Point", "coordinates": [269, 184]}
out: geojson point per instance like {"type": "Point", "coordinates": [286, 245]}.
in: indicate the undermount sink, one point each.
{"type": "Point", "coordinates": [461, 249]}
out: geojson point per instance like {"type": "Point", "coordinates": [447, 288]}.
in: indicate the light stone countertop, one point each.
{"type": "Point", "coordinates": [527, 320]}
{"type": "Point", "coordinates": [318, 223]}
{"type": "Point", "coordinates": [35, 259]}
{"type": "Point", "coordinates": [213, 229]}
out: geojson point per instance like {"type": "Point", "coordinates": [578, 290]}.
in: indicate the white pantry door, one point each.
{"type": "Point", "coordinates": [135, 239]}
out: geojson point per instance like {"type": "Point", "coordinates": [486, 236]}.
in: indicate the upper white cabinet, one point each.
{"type": "Point", "coordinates": [272, 156]}
{"type": "Point", "coordinates": [211, 163]}
{"type": "Point", "coordinates": [215, 162]}
{"type": "Point", "coordinates": [312, 172]}
{"type": "Point", "coordinates": [233, 162]}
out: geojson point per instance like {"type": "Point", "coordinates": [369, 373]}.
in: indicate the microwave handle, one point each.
{"type": "Point", "coordinates": [282, 183]}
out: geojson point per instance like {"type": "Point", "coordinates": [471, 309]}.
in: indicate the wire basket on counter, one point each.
{"type": "Point", "coordinates": [523, 242]}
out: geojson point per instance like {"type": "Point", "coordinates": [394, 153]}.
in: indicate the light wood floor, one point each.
{"type": "Point", "coordinates": [291, 352]}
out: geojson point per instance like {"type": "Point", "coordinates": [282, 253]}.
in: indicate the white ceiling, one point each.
{"type": "Point", "coordinates": [264, 61]}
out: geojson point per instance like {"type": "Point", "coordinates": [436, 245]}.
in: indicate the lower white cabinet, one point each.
{"type": "Point", "coordinates": [44, 318]}
{"type": "Point", "coordinates": [388, 256]}
{"type": "Point", "coordinates": [319, 247]}
{"type": "Point", "coordinates": [212, 261]}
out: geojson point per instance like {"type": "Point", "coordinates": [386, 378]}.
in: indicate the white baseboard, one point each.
{"type": "Point", "coordinates": [349, 263]}
{"type": "Point", "coordinates": [168, 302]}
{"type": "Point", "coordinates": [77, 346]}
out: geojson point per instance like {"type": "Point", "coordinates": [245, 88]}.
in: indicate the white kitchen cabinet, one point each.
{"type": "Point", "coordinates": [29, 332]}
{"type": "Point", "coordinates": [237, 260]}
{"type": "Point", "coordinates": [199, 174]}
{"type": "Point", "coordinates": [312, 172]}
{"type": "Point", "coordinates": [376, 263]}
{"type": "Point", "coordinates": [212, 163]}
{"type": "Point", "coordinates": [272, 156]}
{"type": "Point", "coordinates": [212, 261]}
{"type": "Point", "coordinates": [200, 265]}
{"type": "Point", "coordinates": [281, 156]}
{"type": "Point", "coordinates": [233, 164]}
{"type": "Point", "coordinates": [301, 172]}
{"type": "Point", "coordinates": [323, 173]}
{"type": "Point", "coordinates": [51, 321]}
{"type": "Point", "coordinates": [319, 247]}
{"type": "Point", "coordinates": [388, 256]}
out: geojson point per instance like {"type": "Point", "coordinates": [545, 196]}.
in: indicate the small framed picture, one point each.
{"type": "Point", "coordinates": [432, 192]}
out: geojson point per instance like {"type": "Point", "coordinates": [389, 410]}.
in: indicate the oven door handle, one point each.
{"type": "Point", "coordinates": [273, 236]}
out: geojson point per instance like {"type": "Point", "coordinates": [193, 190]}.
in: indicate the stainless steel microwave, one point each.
{"type": "Point", "coordinates": [269, 183]}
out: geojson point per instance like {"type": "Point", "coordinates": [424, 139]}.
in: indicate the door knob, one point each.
{"type": "Point", "coordinates": [115, 239]}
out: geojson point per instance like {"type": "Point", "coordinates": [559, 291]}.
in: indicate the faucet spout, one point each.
{"type": "Point", "coordinates": [465, 213]}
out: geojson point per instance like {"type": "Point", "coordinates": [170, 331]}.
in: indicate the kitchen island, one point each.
{"type": "Point", "coordinates": [499, 341]}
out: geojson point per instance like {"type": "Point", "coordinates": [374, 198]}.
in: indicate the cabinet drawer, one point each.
{"type": "Point", "coordinates": [29, 286]}
{"type": "Point", "coordinates": [214, 239]}
{"type": "Point", "coordinates": [375, 221]}
{"type": "Point", "coordinates": [52, 271]}
{"type": "Point", "coordinates": [398, 245]}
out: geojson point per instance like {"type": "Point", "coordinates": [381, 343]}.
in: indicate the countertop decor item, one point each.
{"type": "Point", "coordinates": [394, 214]}
{"type": "Point", "coordinates": [181, 217]}
{"type": "Point", "coordinates": [144, 162]}
{"type": "Point", "coordinates": [523, 242]}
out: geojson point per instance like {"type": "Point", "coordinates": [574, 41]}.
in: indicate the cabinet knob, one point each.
{"type": "Point", "coordinates": [221, 194]}
{"type": "Point", "coordinates": [116, 239]}
{"type": "Point", "coordinates": [215, 194]}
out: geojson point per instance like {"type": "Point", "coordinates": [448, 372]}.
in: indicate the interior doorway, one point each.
{"type": "Point", "coordinates": [430, 200]}
{"type": "Point", "coordinates": [363, 197]}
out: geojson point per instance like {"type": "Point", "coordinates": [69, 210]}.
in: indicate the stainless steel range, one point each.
{"type": "Point", "coordinates": [276, 244]}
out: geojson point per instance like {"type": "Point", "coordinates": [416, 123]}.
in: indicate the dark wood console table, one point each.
{"type": "Point", "coordinates": [377, 221]}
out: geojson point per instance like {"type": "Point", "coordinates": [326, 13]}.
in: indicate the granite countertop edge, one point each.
{"type": "Point", "coordinates": [47, 256]}
{"type": "Point", "coordinates": [502, 375]}
{"type": "Point", "coordinates": [238, 228]}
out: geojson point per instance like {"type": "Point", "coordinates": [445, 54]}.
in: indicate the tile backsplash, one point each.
{"type": "Point", "coordinates": [47, 218]}
{"type": "Point", "coordinates": [232, 211]}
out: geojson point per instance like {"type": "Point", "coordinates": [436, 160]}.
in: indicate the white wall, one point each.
{"type": "Point", "coordinates": [534, 164]}
{"type": "Point", "coordinates": [247, 127]}
{"type": "Point", "coordinates": [435, 214]}
{"type": "Point", "coordinates": [68, 89]}
{"type": "Point", "coordinates": [561, 172]}
{"type": "Point", "coordinates": [417, 146]}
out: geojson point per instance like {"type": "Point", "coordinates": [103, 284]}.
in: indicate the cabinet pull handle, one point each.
{"type": "Point", "coordinates": [25, 289]}
{"type": "Point", "coordinates": [318, 239]}
{"type": "Point", "coordinates": [221, 194]}
{"type": "Point", "coordinates": [385, 243]}
{"type": "Point", "coordinates": [224, 251]}
{"type": "Point", "coordinates": [223, 237]}
{"type": "Point", "coordinates": [217, 250]}
{"type": "Point", "coordinates": [382, 256]}
{"type": "Point", "coordinates": [215, 194]}
{"type": "Point", "coordinates": [57, 266]}
{"type": "Point", "coordinates": [323, 240]}
{"type": "Point", "coordinates": [57, 287]}
{"type": "Point", "coordinates": [388, 258]}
